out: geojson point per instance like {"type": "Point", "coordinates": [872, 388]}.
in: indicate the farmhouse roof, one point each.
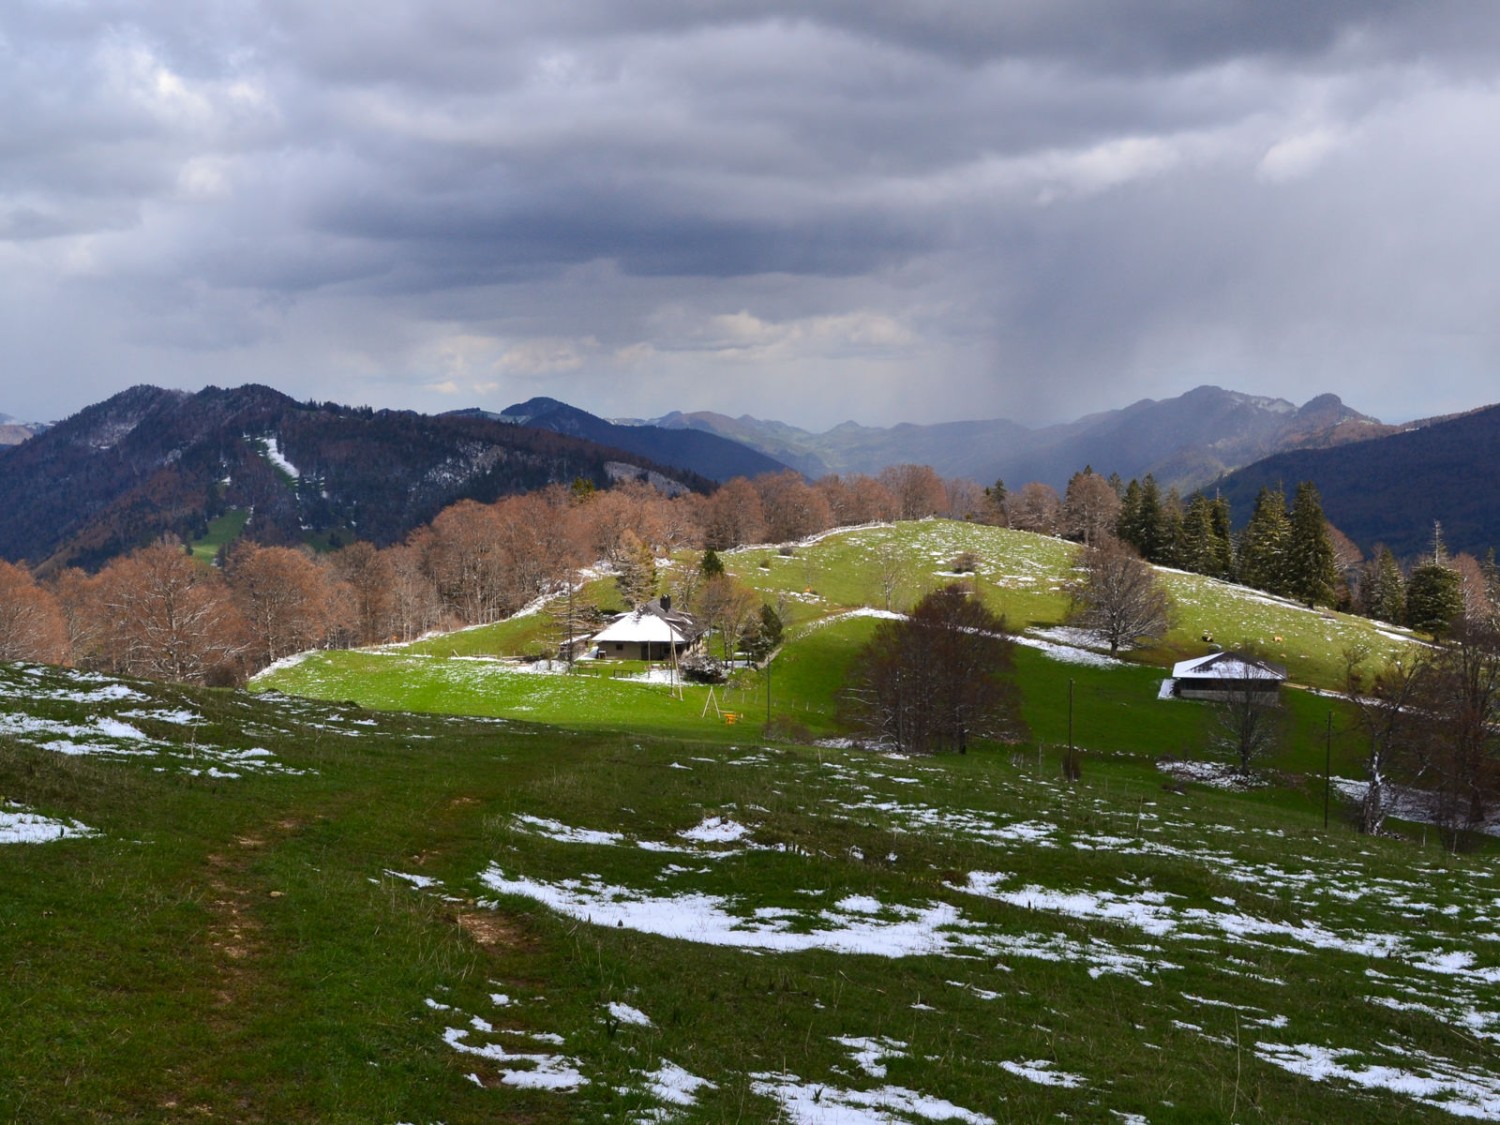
{"type": "Point", "coordinates": [652, 622]}
{"type": "Point", "coordinates": [1227, 666]}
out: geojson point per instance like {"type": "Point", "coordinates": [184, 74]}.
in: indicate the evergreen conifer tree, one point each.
{"type": "Point", "coordinates": [1263, 542]}
{"type": "Point", "coordinates": [1223, 539]}
{"type": "Point", "coordinates": [1434, 596]}
{"type": "Point", "coordinates": [1170, 531]}
{"type": "Point", "coordinates": [636, 579]}
{"type": "Point", "coordinates": [1384, 588]}
{"type": "Point", "coordinates": [1309, 571]}
{"type": "Point", "coordinates": [1196, 548]}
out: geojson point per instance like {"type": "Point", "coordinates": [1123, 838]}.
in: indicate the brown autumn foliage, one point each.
{"type": "Point", "coordinates": [290, 601]}
{"type": "Point", "coordinates": [1035, 508]}
{"type": "Point", "coordinates": [32, 626]}
{"type": "Point", "coordinates": [918, 490]}
{"type": "Point", "coordinates": [164, 616]}
{"type": "Point", "coordinates": [790, 507]}
{"type": "Point", "coordinates": [733, 516]}
{"type": "Point", "coordinates": [857, 499]}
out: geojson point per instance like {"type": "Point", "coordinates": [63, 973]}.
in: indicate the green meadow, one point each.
{"type": "Point", "coordinates": [423, 884]}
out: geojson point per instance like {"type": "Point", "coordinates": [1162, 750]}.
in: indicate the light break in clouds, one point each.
{"type": "Point", "coordinates": [860, 208]}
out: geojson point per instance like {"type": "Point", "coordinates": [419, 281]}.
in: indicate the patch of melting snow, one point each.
{"type": "Point", "coordinates": [555, 830]}
{"type": "Point", "coordinates": [715, 830]}
{"type": "Point", "coordinates": [806, 1103]}
{"type": "Point", "coordinates": [1067, 654]}
{"type": "Point", "coordinates": [624, 1013]}
{"type": "Point", "coordinates": [674, 1085]}
{"type": "Point", "coordinates": [1147, 911]}
{"type": "Point", "coordinates": [1217, 774]}
{"type": "Point", "coordinates": [1431, 1081]}
{"type": "Point", "coordinates": [896, 931]}
{"type": "Point", "coordinates": [1043, 1072]}
{"type": "Point", "coordinates": [530, 1072]}
{"type": "Point", "coordinates": [277, 458]}
{"type": "Point", "coordinates": [180, 718]}
{"type": "Point", "coordinates": [20, 825]}
{"type": "Point", "coordinates": [421, 882]}
{"type": "Point", "coordinates": [869, 1054]}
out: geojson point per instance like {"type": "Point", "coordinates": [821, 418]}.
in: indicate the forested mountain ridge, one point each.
{"type": "Point", "coordinates": [1184, 442]}
{"type": "Point", "coordinates": [712, 455]}
{"type": "Point", "coordinates": [1390, 490]}
{"type": "Point", "coordinates": [150, 461]}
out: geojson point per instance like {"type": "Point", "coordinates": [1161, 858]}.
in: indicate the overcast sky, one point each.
{"type": "Point", "coordinates": [881, 210]}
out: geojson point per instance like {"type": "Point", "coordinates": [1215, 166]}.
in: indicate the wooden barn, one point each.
{"type": "Point", "coordinates": [1226, 675]}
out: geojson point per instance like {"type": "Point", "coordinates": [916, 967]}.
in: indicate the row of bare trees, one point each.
{"type": "Point", "coordinates": [1430, 728]}
{"type": "Point", "coordinates": [158, 612]}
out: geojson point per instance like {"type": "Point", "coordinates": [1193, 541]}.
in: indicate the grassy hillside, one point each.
{"type": "Point", "coordinates": [822, 589]}
{"type": "Point", "coordinates": [253, 908]}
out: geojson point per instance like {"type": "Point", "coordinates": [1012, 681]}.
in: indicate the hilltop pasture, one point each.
{"type": "Point", "coordinates": [826, 589]}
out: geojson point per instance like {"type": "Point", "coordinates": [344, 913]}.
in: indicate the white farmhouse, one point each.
{"type": "Point", "coordinates": [654, 631]}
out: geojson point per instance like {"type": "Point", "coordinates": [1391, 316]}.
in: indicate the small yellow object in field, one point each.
{"type": "Point", "coordinates": [731, 717]}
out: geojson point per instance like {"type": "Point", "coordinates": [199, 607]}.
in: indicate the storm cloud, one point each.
{"type": "Point", "coordinates": [873, 210]}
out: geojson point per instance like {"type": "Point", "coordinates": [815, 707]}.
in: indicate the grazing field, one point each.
{"type": "Point", "coordinates": [831, 591]}
{"type": "Point", "coordinates": [255, 908]}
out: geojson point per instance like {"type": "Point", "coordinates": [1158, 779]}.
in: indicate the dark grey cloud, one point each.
{"type": "Point", "coordinates": [869, 208]}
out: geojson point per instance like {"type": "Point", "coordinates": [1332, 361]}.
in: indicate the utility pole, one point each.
{"type": "Point", "coordinates": [1327, 768]}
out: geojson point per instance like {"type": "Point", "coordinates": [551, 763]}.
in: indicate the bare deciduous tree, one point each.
{"type": "Point", "coordinates": [31, 623]}
{"type": "Point", "coordinates": [167, 617]}
{"type": "Point", "coordinates": [1459, 696]}
{"type": "Point", "coordinates": [286, 598]}
{"type": "Point", "coordinates": [729, 606]}
{"type": "Point", "coordinates": [791, 509]}
{"type": "Point", "coordinates": [1035, 508]}
{"type": "Point", "coordinates": [733, 516]}
{"type": "Point", "coordinates": [1389, 724]}
{"type": "Point", "coordinates": [918, 490]}
{"type": "Point", "coordinates": [1118, 596]}
{"type": "Point", "coordinates": [1091, 509]}
{"type": "Point", "coordinates": [892, 571]}
{"type": "Point", "coordinates": [936, 680]}
{"type": "Point", "coordinates": [1245, 723]}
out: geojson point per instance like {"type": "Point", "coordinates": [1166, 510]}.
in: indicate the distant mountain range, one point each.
{"type": "Point", "coordinates": [1185, 441]}
{"type": "Point", "coordinates": [718, 457]}
{"type": "Point", "coordinates": [1390, 490]}
{"type": "Point", "coordinates": [149, 461]}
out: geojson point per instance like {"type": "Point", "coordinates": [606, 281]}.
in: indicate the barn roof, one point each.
{"type": "Point", "coordinates": [1227, 666]}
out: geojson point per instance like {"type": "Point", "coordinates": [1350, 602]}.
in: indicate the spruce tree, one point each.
{"type": "Point", "coordinates": [1309, 571]}
{"type": "Point", "coordinates": [1263, 543]}
{"type": "Point", "coordinates": [1152, 521]}
{"type": "Point", "coordinates": [636, 577]}
{"type": "Point", "coordinates": [1223, 539]}
{"type": "Point", "coordinates": [1196, 549]}
{"type": "Point", "coordinates": [1170, 536]}
{"type": "Point", "coordinates": [1141, 522]}
{"type": "Point", "coordinates": [1434, 598]}
{"type": "Point", "coordinates": [1383, 590]}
